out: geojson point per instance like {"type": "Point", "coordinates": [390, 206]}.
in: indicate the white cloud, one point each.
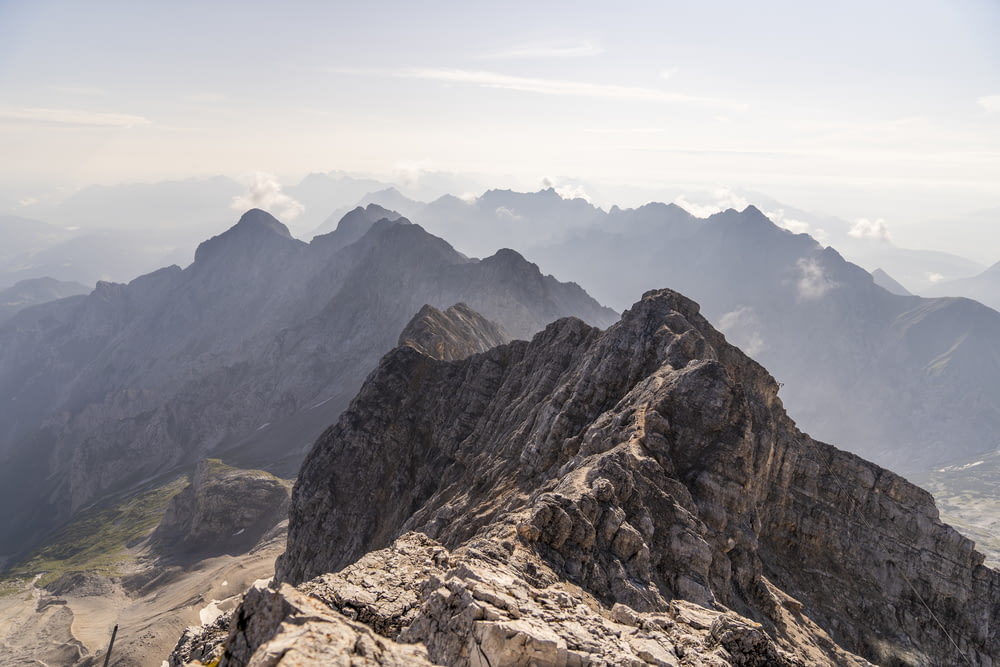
{"type": "Point", "coordinates": [813, 282]}
{"type": "Point", "coordinates": [264, 192]}
{"type": "Point", "coordinates": [484, 79]}
{"type": "Point", "coordinates": [668, 73]}
{"type": "Point", "coordinates": [795, 226]}
{"type": "Point", "coordinates": [550, 50]}
{"type": "Point", "coordinates": [935, 277]}
{"type": "Point", "coordinates": [743, 328]}
{"type": "Point", "coordinates": [70, 117]}
{"type": "Point", "coordinates": [720, 200]}
{"type": "Point", "coordinates": [567, 190]}
{"type": "Point", "coordinates": [863, 228]}
{"type": "Point", "coordinates": [504, 213]}
{"type": "Point", "coordinates": [990, 103]}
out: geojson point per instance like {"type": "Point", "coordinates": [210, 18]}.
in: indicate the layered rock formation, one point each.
{"type": "Point", "coordinates": [247, 354]}
{"type": "Point", "coordinates": [633, 492]}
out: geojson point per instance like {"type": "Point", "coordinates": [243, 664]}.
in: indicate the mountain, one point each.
{"type": "Point", "coordinates": [480, 226]}
{"type": "Point", "coordinates": [905, 381]}
{"type": "Point", "coordinates": [630, 496]}
{"type": "Point", "coordinates": [34, 291]}
{"type": "Point", "coordinates": [888, 283]}
{"type": "Point", "coordinates": [454, 334]}
{"type": "Point", "coordinates": [984, 287]}
{"type": "Point", "coordinates": [248, 354]}
{"type": "Point", "coordinates": [874, 245]}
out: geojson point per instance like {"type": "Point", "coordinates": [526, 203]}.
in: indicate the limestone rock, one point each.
{"type": "Point", "coordinates": [453, 334]}
{"type": "Point", "coordinates": [469, 610]}
{"type": "Point", "coordinates": [650, 466]}
{"type": "Point", "coordinates": [286, 628]}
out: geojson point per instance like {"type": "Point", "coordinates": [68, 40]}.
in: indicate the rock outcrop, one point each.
{"type": "Point", "coordinates": [453, 334]}
{"type": "Point", "coordinates": [222, 510]}
{"type": "Point", "coordinates": [647, 469]}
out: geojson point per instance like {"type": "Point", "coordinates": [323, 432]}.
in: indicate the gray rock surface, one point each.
{"type": "Point", "coordinates": [469, 609]}
{"type": "Point", "coordinates": [286, 628]}
{"type": "Point", "coordinates": [453, 334]}
{"type": "Point", "coordinates": [645, 465]}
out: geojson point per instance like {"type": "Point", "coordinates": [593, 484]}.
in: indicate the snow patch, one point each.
{"type": "Point", "coordinates": [210, 612]}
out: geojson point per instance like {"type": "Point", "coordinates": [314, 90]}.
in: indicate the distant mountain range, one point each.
{"type": "Point", "coordinates": [255, 348]}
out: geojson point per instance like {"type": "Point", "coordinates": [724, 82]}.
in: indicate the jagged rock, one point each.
{"type": "Point", "coordinates": [644, 465]}
{"type": "Point", "coordinates": [472, 611]}
{"type": "Point", "coordinates": [202, 643]}
{"type": "Point", "coordinates": [223, 509]}
{"type": "Point", "coordinates": [453, 334]}
{"type": "Point", "coordinates": [286, 627]}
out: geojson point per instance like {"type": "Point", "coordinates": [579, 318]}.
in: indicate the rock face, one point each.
{"type": "Point", "coordinates": [454, 334]}
{"type": "Point", "coordinates": [647, 469]}
{"type": "Point", "coordinates": [248, 354]}
{"type": "Point", "coordinates": [222, 510]}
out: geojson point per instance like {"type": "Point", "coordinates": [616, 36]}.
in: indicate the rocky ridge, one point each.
{"type": "Point", "coordinates": [632, 496]}
{"type": "Point", "coordinates": [454, 334]}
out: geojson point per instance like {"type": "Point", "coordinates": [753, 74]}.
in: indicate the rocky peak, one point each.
{"type": "Point", "coordinates": [454, 334]}
{"type": "Point", "coordinates": [255, 230]}
{"type": "Point", "coordinates": [647, 466]}
{"type": "Point", "coordinates": [356, 224]}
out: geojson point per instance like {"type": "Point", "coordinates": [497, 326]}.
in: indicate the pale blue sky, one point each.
{"type": "Point", "coordinates": [877, 109]}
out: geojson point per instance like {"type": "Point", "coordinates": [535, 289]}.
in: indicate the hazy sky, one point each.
{"type": "Point", "coordinates": [882, 109]}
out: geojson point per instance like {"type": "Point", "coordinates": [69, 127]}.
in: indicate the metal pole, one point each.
{"type": "Point", "coordinates": [110, 646]}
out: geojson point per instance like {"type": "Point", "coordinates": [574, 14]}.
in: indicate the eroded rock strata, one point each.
{"type": "Point", "coordinates": [629, 496]}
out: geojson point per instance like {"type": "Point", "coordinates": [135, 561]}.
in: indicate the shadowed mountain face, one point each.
{"type": "Point", "coordinates": [253, 349]}
{"type": "Point", "coordinates": [641, 466]}
{"type": "Point", "coordinates": [909, 382]}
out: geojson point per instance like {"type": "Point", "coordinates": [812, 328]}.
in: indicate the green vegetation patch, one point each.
{"type": "Point", "coordinates": [96, 540]}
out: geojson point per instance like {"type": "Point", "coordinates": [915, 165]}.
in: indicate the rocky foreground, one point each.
{"type": "Point", "coordinates": [623, 497]}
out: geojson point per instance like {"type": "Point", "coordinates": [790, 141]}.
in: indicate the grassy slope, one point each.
{"type": "Point", "coordinates": [96, 540]}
